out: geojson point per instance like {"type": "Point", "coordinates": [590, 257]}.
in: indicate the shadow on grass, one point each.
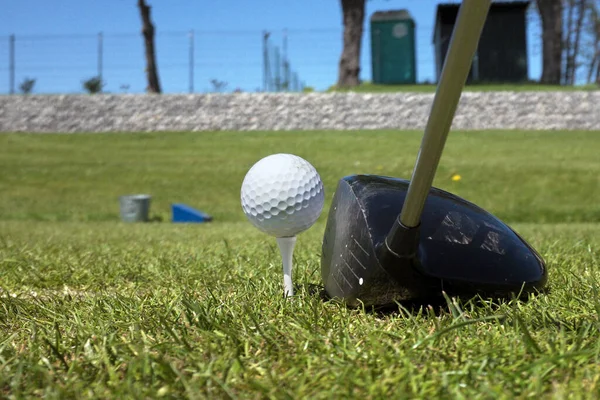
{"type": "Point", "coordinates": [436, 305]}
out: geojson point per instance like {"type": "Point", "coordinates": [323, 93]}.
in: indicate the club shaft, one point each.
{"type": "Point", "coordinates": [465, 38]}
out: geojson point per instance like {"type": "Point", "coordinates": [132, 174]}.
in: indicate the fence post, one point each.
{"type": "Point", "coordinates": [286, 65]}
{"type": "Point", "coordinates": [266, 62]}
{"type": "Point", "coordinates": [100, 58]}
{"type": "Point", "coordinates": [191, 61]}
{"type": "Point", "coordinates": [277, 70]}
{"type": "Point", "coordinates": [296, 88]}
{"type": "Point", "coordinates": [11, 64]}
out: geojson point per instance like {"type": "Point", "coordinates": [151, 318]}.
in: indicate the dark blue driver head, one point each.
{"type": "Point", "coordinates": [369, 257]}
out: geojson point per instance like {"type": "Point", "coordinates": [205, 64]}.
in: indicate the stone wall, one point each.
{"type": "Point", "coordinates": [292, 111]}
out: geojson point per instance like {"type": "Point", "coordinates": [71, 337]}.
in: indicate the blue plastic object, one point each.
{"type": "Point", "coordinates": [183, 213]}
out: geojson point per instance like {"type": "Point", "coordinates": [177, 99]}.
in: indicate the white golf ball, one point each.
{"type": "Point", "coordinates": [282, 195]}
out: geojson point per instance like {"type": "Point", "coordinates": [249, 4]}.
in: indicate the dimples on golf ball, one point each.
{"type": "Point", "coordinates": [282, 195]}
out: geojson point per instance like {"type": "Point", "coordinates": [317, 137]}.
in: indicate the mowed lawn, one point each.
{"type": "Point", "coordinates": [91, 307]}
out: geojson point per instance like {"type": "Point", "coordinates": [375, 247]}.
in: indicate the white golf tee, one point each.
{"type": "Point", "coordinates": [286, 248]}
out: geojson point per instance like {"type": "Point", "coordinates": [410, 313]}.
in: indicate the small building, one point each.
{"type": "Point", "coordinates": [393, 48]}
{"type": "Point", "coordinates": [502, 53]}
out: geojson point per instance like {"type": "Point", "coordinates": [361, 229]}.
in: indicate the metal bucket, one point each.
{"type": "Point", "coordinates": [135, 208]}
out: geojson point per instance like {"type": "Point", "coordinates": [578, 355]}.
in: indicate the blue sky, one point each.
{"type": "Point", "coordinates": [56, 41]}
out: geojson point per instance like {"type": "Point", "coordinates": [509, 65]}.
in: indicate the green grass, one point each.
{"type": "Point", "coordinates": [94, 308]}
{"type": "Point", "coordinates": [519, 176]}
{"type": "Point", "coordinates": [369, 87]}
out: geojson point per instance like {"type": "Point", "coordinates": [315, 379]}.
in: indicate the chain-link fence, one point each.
{"type": "Point", "coordinates": [278, 74]}
{"type": "Point", "coordinates": [195, 61]}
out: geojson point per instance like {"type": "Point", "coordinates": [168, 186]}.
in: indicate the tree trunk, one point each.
{"type": "Point", "coordinates": [575, 51]}
{"type": "Point", "coordinates": [592, 67]}
{"type": "Point", "coordinates": [567, 45]}
{"type": "Point", "coordinates": [595, 15]}
{"type": "Point", "coordinates": [353, 18]}
{"type": "Point", "coordinates": [552, 21]}
{"type": "Point", "coordinates": [148, 33]}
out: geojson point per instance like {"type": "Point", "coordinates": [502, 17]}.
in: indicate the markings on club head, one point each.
{"type": "Point", "coordinates": [338, 283]}
{"type": "Point", "coordinates": [358, 244]}
{"type": "Point", "coordinates": [349, 284]}
{"type": "Point", "coordinates": [357, 260]}
{"type": "Point", "coordinates": [350, 268]}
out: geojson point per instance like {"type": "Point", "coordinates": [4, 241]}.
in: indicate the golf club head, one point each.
{"type": "Point", "coordinates": [458, 248]}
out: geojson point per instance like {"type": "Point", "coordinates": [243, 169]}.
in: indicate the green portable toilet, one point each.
{"type": "Point", "coordinates": [393, 55]}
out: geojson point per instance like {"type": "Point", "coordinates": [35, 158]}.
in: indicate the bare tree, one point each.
{"type": "Point", "coordinates": [576, 13]}
{"type": "Point", "coordinates": [148, 33]}
{"type": "Point", "coordinates": [581, 11]}
{"type": "Point", "coordinates": [597, 55]}
{"type": "Point", "coordinates": [353, 12]}
{"type": "Point", "coordinates": [551, 15]}
{"type": "Point", "coordinates": [594, 31]}
{"type": "Point", "coordinates": [27, 85]}
{"type": "Point", "coordinates": [217, 85]}
{"type": "Point", "coordinates": [569, 6]}
{"type": "Point", "coordinates": [93, 85]}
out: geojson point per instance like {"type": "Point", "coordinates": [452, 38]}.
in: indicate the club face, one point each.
{"type": "Point", "coordinates": [462, 248]}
